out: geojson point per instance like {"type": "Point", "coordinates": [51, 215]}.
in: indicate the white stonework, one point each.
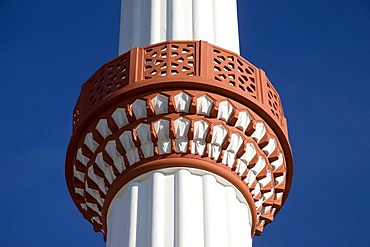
{"type": "Point", "coordinates": [201, 129]}
{"type": "Point", "coordinates": [104, 167]}
{"type": "Point", "coordinates": [179, 207]}
{"type": "Point", "coordinates": [145, 22]}
{"type": "Point", "coordinates": [259, 132]}
{"type": "Point", "coordinates": [83, 206]}
{"type": "Point", "coordinates": [266, 179]}
{"type": "Point", "coordinates": [139, 109]}
{"type": "Point", "coordinates": [119, 117]}
{"type": "Point", "coordinates": [80, 157]}
{"type": "Point", "coordinates": [144, 133]}
{"type": "Point", "coordinates": [90, 142]}
{"type": "Point", "coordinates": [93, 206]}
{"type": "Point", "coordinates": [245, 159]}
{"type": "Point", "coordinates": [224, 110]}
{"type": "Point", "coordinates": [129, 146]}
{"type": "Point", "coordinates": [251, 177]}
{"type": "Point", "coordinates": [160, 104]}
{"type": "Point", "coordinates": [230, 152]}
{"type": "Point", "coordinates": [182, 102]}
{"type": "Point", "coordinates": [162, 130]}
{"type": "Point", "coordinates": [277, 163]}
{"type": "Point", "coordinates": [280, 179]}
{"type": "Point", "coordinates": [243, 120]}
{"type": "Point", "coordinates": [96, 179]}
{"type": "Point", "coordinates": [204, 105]}
{"type": "Point", "coordinates": [261, 163]}
{"type": "Point", "coordinates": [96, 219]}
{"type": "Point", "coordinates": [182, 126]}
{"type": "Point", "coordinates": [112, 151]}
{"type": "Point", "coordinates": [79, 191]}
{"type": "Point", "coordinates": [270, 147]}
{"type": "Point", "coordinates": [218, 137]}
{"type": "Point", "coordinates": [278, 195]}
{"type": "Point", "coordinates": [103, 128]}
{"type": "Point", "coordinates": [95, 194]}
{"type": "Point", "coordinates": [79, 175]}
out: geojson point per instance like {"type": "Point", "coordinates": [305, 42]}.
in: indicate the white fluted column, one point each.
{"type": "Point", "coordinates": [179, 207]}
{"type": "Point", "coordinates": [145, 22]}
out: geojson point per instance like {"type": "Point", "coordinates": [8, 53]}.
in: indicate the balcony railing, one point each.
{"type": "Point", "coordinates": [179, 60]}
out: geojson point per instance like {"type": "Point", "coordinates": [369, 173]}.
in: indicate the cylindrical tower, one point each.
{"type": "Point", "coordinates": [147, 22]}
{"type": "Point", "coordinates": [179, 141]}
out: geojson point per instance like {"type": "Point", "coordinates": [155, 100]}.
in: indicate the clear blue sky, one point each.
{"type": "Point", "coordinates": [316, 53]}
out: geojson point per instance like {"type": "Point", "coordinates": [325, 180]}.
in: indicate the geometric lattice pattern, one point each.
{"type": "Point", "coordinates": [169, 60]}
{"type": "Point", "coordinates": [232, 70]}
{"type": "Point", "coordinates": [76, 114]}
{"type": "Point", "coordinates": [111, 77]}
{"type": "Point", "coordinates": [273, 100]}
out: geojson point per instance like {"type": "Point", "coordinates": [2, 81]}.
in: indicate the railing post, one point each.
{"type": "Point", "coordinates": [84, 99]}
{"type": "Point", "coordinates": [261, 76]}
{"type": "Point", "coordinates": [204, 63]}
{"type": "Point", "coordinates": [136, 65]}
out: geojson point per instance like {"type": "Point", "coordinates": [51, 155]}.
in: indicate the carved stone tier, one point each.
{"type": "Point", "coordinates": [183, 103]}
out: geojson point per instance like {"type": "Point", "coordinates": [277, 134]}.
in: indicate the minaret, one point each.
{"type": "Point", "coordinates": [179, 141]}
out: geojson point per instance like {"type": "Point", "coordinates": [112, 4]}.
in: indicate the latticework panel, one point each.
{"type": "Point", "coordinates": [169, 60]}
{"type": "Point", "coordinates": [111, 77]}
{"type": "Point", "coordinates": [273, 100]}
{"type": "Point", "coordinates": [76, 114]}
{"type": "Point", "coordinates": [234, 71]}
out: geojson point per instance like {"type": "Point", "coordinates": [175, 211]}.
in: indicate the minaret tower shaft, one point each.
{"type": "Point", "coordinates": [179, 141]}
{"type": "Point", "coordinates": [147, 22]}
